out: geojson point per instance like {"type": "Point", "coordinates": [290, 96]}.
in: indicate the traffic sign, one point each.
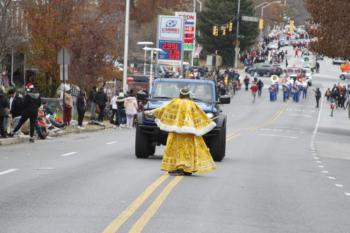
{"type": "Point", "coordinates": [250, 19]}
{"type": "Point", "coordinates": [63, 57]}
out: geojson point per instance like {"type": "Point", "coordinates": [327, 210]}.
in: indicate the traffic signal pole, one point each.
{"type": "Point", "coordinates": [237, 49]}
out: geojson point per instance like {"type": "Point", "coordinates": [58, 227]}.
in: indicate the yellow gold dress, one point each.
{"type": "Point", "coordinates": [185, 148]}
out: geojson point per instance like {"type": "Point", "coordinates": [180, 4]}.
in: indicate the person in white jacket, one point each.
{"type": "Point", "coordinates": [114, 110]}
{"type": "Point", "coordinates": [131, 107]}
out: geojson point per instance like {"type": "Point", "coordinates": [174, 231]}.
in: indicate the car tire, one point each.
{"type": "Point", "coordinates": [342, 77]}
{"type": "Point", "coordinates": [142, 146]}
{"type": "Point", "coordinates": [217, 145]}
{"type": "Point", "coordinates": [151, 149]}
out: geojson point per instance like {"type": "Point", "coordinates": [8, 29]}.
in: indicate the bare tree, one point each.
{"type": "Point", "coordinates": [10, 27]}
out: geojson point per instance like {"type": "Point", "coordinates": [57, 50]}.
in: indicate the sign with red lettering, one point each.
{"type": "Point", "coordinates": [170, 40]}
{"type": "Point", "coordinates": [172, 50]}
{"type": "Point", "coordinates": [189, 29]}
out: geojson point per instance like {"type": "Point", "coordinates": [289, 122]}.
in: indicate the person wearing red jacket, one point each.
{"type": "Point", "coordinates": [254, 90]}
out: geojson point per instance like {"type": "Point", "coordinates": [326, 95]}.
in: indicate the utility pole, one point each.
{"type": "Point", "coordinates": [237, 49]}
{"type": "Point", "coordinates": [126, 45]}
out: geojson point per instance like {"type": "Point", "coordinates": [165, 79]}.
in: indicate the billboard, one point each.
{"type": "Point", "coordinates": [189, 24]}
{"type": "Point", "coordinates": [170, 40]}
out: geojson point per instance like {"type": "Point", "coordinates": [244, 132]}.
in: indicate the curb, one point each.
{"type": "Point", "coordinates": [13, 141]}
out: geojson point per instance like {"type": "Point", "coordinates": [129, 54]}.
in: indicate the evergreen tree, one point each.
{"type": "Point", "coordinates": [221, 12]}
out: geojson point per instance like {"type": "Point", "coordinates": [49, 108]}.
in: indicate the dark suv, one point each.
{"type": "Point", "coordinates": [204, 93]}
{"type": "Point", "coordinates": [263, 69]}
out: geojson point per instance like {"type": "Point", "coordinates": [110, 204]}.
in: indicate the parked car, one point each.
{"type": "Point", "coordinates": [345, 75]}
{"type": "Point", "coordinates": [338, 61]}
{"type": "Point", "coordinates": [265, 70]}
{"type": "Point", "coordinates": [204, 93]}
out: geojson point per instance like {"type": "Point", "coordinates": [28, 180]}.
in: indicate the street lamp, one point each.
{"type": "Point", "coordinates": [145, 43]}
{"type": "Point", "coordinates": [126, 45]}
{"type": "Point", "coordinates": [195, 5]}
{"type": "Point", "coordinates": [263, 6]}
{"type": "Point", "coordinates": [267, 5]}
{"type": "Point", "coordinates": [152, 50]}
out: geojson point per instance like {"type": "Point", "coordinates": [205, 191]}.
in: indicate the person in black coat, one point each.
{"type": "Point", "coordinates": [81, 107]}
{"type": "Point", "coordinates": [16, 103]}
{"type": "Point", "coordinates": [31, 104]}
{"type": "Point", "coordinates": [101, 100]}
{"type": "Point", "coordinates": [4, 111]}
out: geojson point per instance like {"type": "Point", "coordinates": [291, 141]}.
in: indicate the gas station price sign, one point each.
{"type": "Point", "coordinates": [172, 50]}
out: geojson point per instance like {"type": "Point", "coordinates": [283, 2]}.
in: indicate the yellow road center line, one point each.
{"type": "Point", "coordinates": [232, 137]}
{"type": "Point", "coordinates": [232, 134]}
{"type": "Point", "coordinates": [153, 208]}
{"type": "Point", "coordinates": [130, 210]}
{"type": "Point", "coordinates": [273, 118]}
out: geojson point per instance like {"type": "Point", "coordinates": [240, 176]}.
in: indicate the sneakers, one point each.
{"type": "Point", "coordinates": [31, 140]}
{"type": "Point", "coordinates": [80, 127]}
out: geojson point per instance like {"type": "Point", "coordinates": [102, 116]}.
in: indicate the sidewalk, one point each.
{"type": "Point", "coordinates": [68, 130]}
{"type": "Point", "coordinates": [334, 134]}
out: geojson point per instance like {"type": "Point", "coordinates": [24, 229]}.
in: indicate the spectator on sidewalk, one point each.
{"type": "Point", "coordinates": [92, 99]}
{"type": "Point", "coordinates": [74, 91]}
{"type": "Point", "coordinates": [131, 107]}
{"type": "Point", "coordinates": [31, 104]}
{"type": "Point", "coordinates": [81, 107]}
{"type": "Point", "coordinates": [121, 110]}
{"type": "Point", "coordinates": [68, 105]}
{"type": "Point", "coordinates": [101, 100]}
{"type": "Point", "coordinates": [114, 117]}
{"type": "Point", "coordinates": [4, 112]}
{"type": "Point", "coordinates": [16, 106]}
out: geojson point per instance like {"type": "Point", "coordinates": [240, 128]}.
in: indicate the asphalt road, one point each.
{"type": "Point", "coordinates": [278, 176]}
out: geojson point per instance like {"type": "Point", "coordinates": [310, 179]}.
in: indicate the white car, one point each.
{"type": "Point", "coordinates": [309, 61]}
{"type": "Point", "coordinates": [345, 75]}
{"type": "Point", "coordinates": [338, 61]}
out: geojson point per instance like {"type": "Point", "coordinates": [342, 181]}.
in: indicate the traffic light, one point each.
{"type": "Point", "coordinates": [215, 31]}
{"type": "Point", "coordinates": [223, 28]}
{"type": "Point", "coordinates": [291, 26]}
{"type": "Point", "coordinates": [261, 24]}
{"type": "Point", "coordinates": [230, 27]}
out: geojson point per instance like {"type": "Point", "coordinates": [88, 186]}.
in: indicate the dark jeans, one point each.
{"type": "Point", "coordinates": [32, 118]}
{"type": "Point", "coordinates": [101, 114]}
{"type": "Point", "coordinates": [81, 114]}
{"type": "Point", "coordinates": [2, 129]}
{"type": "Point", "coordinates": [121, 117]}
{"type": "Point", "coordinates": [317, 102]}
{"type": "Point", "coordinates": [114, 114]}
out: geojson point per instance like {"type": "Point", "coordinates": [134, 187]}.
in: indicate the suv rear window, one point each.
{"type": "Point", "coordinates": [201, 91]}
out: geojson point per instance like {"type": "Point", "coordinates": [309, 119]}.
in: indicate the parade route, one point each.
{"type": "Point", "coordinates": [272, 179]}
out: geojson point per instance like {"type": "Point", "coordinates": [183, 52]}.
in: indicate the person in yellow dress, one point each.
{"type": "Point", "coordinates": [185, 151]}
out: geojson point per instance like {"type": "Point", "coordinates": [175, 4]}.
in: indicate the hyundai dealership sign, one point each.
{"type": "Point", "coordinates": [170, 40]}
{"type": "Point", "coordinates": [170, 28]}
